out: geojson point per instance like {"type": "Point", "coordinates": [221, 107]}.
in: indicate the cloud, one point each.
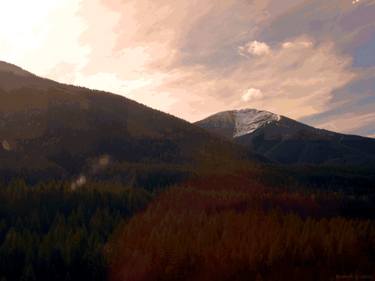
{"type": "Point", "coordinates": [349, 122]}
{"type": "Point", "coordinates": [255, 48]}
{"type": "Point", "coordinates": [187, 65]}
{"type": "Point", "coordinates": [300, 43]}
{"type": "Point", "coordinates": [183, 56]}
{"type": "Point", "coordinates": [296, 82]}
{"type": "Point", "coordinates": [42, 34]}
{"type": "Point", "coordinates": [252, 94]}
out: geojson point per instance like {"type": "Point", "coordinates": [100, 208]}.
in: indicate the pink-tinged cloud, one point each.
{"type": "Point", "coordinates": [349, 122]}
{"type": "Point", "coordinates": [187, 57]}
{"type": "Point", "coordinates": [254, 48]}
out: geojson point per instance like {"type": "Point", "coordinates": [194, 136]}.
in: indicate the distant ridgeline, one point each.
{"type": "Point", "coordinates": [287, 141]}
{"type": "Point", "coordinates": [50, 130]}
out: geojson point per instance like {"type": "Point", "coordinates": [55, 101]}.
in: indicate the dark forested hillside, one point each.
{"type": "Point", "coordinates": [50, 130]}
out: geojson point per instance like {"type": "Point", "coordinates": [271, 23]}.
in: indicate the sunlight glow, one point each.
{"type": "Point", "coordinates": [27, 28]}
{"type": "Point", "coordinates": [31, 31]}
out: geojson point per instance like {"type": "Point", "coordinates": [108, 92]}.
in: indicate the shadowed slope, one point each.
{"type": "Point", "coordinates": [58, 129]}
{"type": "Point", "coordinates": [287, 141]}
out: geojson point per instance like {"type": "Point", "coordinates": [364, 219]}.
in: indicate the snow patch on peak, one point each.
{"type": "Point", "coordinates": [248, 120]}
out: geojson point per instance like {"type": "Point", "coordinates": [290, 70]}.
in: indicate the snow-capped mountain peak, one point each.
{"type": "Point", "coordinates": [248, 120]}
{"type": "Point", "coordinates": [288, 141]}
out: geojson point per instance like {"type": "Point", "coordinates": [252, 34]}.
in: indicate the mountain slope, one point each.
{"type": "Point", "coordinates": [57, 129]}
{"type": "Point", "coordinates": [287, 141]}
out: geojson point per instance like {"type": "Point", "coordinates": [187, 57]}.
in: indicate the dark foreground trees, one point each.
{"type": "Point", "coordinates": [51, 232]}
{"type": "Point", "coordinates": [231, 226]}
{"type": "Point", "coordinates": [232, 230]}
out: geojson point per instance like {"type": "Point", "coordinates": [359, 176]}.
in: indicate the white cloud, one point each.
{"type": "Point", "coordinates": [297, 81]}
{"type": "Point", "coordinates": [255, 48]}
{"type": "Point", "coordinates": [298, 43]}
{"type": "Point", "coordinates": [252, 94]}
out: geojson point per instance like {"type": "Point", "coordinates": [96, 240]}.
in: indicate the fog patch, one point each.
{"type": "Point", "coordinates": [97, 165]}
{"type": "Point", "coordinates": [6, 145]}
{"type": "Point", "coordinates": [79, 182]}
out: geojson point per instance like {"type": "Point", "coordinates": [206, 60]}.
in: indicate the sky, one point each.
{"type": "Point", "coordinates": [310, 60]}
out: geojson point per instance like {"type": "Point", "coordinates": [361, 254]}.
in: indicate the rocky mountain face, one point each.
{"type": "Point", "coordinates": [287, 141]}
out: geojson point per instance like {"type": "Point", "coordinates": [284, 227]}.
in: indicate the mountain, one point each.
{"type": "Point", "coordinates": [287, 141]}
{"type": "Point", "coordinates": [48, 128]}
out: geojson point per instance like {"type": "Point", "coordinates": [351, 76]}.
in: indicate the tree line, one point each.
{"type": "Point", "coordinates": [51, 232]}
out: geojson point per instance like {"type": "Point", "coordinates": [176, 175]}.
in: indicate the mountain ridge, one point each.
{"type": "Point", "coordinates": [287, 141]}
{"type": "Point", "coordinates": [51, 128]}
